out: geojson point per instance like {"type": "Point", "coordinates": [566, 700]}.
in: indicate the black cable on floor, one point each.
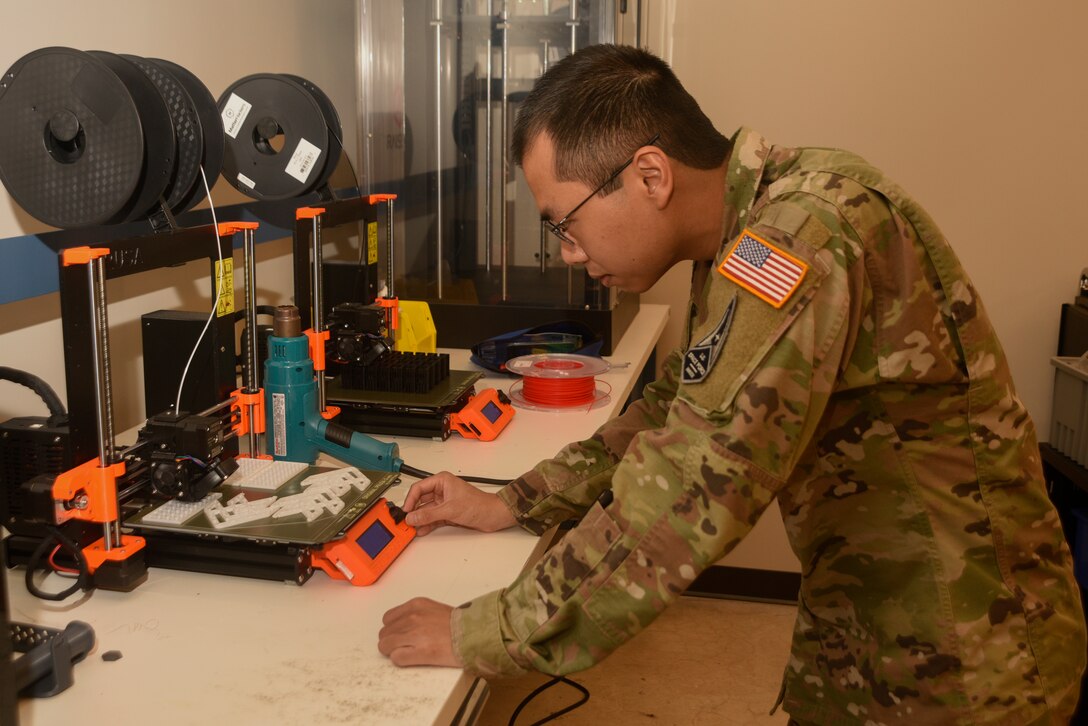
{"type": "Point", "coordinates": [540, 689]}
{"type": "Point", "coordinates": [412, 471]}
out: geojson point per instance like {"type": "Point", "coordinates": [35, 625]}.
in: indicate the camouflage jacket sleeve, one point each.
{"type": "Point", "coordinates": [565, 486]}
{"type": "Point", "coordinates": [686, 492]}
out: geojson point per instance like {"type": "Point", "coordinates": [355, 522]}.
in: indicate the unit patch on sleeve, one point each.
{"type": "Point", "coordinates": [762, 269]}
{"type": "Point", "coordinates": [700, 357]}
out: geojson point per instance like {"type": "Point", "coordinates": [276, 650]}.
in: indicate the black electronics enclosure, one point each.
{"type": "Point", "coordinates": [29, 446]}
{"type": "Point", "coordinates": [8, 713]}
{"type": "Point", "coordinates": [348, 282]}
{"type": "Point", "coordinates": [1073, 331]}
{"type": "Point", "coordinates": [234, 557]}
{"type": "Point", "coordinates": [462, 325]}
{"type": "Point", "coordinates": [168, 339]}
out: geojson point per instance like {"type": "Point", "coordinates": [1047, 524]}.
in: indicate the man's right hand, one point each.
{"type": "Point", "coordinates": [445, 499]}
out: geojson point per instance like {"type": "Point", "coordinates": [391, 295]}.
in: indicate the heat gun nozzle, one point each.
{"type": "Point", "coordinates": [286, 323]}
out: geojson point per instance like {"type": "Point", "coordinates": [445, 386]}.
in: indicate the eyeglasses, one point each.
{"type": "Point", "coordinates": [559, 229]}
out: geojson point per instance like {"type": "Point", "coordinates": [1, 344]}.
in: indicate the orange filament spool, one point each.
{"type": "Point", "coordinates": [558, 381]}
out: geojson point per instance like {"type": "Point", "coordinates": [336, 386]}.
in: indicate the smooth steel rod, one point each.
{"type": "Point", "coordinates": [103, 335]}
{"type": "Point", "coordinates": [249, 372]}
{"type": "Point", "coordinates": [546, 45]}
{"type": "Point", "coordinates": [317, 263]}
{"type": "Point", "coordinates": [222, 404]}
{"type": "Point", "coordinates": [573, 47]}
{"type": "Point", "coordinates": [390, 274]}
{"type": "Point", "coordinates": [570, 285]}
{"type": "Point", "coordinates": [573, 28]}
{"type": "Point", "coordinates": [504, 231]}
{"type": "Point", "coordinates": [127, 451]}
{"type": "Point", "coordinates": [489, 158]}
{"type": "Point", "coordinates": [543, 254]}
{"type": "Point", "coordinates": [437, 22]}
{"type": "Point", "coordinates": [96, 277]}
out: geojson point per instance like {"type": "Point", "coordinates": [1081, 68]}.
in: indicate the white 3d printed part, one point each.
{"type": "Point", "coordinates": [264, 474]}
{"type": "Point", "coordinates": [175, 512]}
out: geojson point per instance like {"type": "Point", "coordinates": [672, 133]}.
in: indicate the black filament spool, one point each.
{"type": "Point", "coordinates": [332, 124]}
{"type": "Point", "coordinates": [160, 147]}
{"type": "Point", "coordinates": [277, 137]}
{"type": "Point", "coordinates": [187, 129]}
{"type": "Point", "coordinates": [72, 146]}
{"type": "Point", "coordinates": [211, 125]}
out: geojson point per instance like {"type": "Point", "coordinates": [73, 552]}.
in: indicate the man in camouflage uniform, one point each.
{"type": "Point", "coordinates": [838, 360]}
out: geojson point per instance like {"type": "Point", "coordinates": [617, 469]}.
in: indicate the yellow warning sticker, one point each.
{"type": "Point", "coordinates": [224, 281]}
{"type": "Point", "coordinates": [372, 243]}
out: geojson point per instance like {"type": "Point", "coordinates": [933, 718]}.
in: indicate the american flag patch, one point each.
{"type": "Point", "coordinates": [763, 269]}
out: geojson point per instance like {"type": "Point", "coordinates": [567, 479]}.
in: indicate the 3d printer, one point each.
{"type": "Point", "coordinates": [440, 92]}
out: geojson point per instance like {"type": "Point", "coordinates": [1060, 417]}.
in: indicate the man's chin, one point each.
{"type": "Point", "coordinates": [624, 286]}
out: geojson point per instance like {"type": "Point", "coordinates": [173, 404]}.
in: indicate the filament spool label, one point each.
{"type": "Point", "coordinates": [557, 365]}
{"type": "Point", "coordinates": [234, 114]}
{"type": "Point", "coordinates": [303, 160]}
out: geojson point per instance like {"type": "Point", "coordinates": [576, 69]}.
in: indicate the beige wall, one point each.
{"type": "Point", "coordinates": [220, 42]}
{"type": "Point", "coordinates": [977, 108]}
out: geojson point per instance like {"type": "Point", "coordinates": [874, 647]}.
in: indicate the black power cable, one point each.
{"type": "Point", "coordinates": [43, 389]}
{"type": "Point", "coordinates": [540, 689]}
{"type": "Point", "coordinates": [412, 471]}
{"type": "Point", "coordinates": [77, 554]}
{"type": "Point", "coordinates": [57, 414]}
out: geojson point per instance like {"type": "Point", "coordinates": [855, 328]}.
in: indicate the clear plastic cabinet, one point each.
{"type": "Point", "coordinates": [440, 83]}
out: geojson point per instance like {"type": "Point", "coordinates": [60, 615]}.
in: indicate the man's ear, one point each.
{"type": "Point", "coordinates": [655, 175]}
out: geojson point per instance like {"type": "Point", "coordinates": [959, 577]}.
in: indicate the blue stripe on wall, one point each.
{"type": "Point", "coordinates": [30, 261]}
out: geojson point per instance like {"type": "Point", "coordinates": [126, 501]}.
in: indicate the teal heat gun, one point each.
{"type": "Point", "coordinates": [294, 426]}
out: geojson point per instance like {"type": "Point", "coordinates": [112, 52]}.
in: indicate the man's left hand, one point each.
{"type": "Point", "coordinates": [418, 633]}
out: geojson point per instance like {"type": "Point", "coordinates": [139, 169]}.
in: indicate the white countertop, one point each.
{"type": "Point", "coordinates": [199, 648]}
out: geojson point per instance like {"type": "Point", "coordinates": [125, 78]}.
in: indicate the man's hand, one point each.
{"type": "Point", "coordinates": [418, 633]}
{"type": "Point", "coordinates": [445, 499]}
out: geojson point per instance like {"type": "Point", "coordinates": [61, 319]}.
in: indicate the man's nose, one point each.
{"type": "Point", "coordinates": [572, 254]}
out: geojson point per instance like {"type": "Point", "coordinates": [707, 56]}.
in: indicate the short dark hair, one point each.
{"type": "Point", "coordinates": [600, 104]}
